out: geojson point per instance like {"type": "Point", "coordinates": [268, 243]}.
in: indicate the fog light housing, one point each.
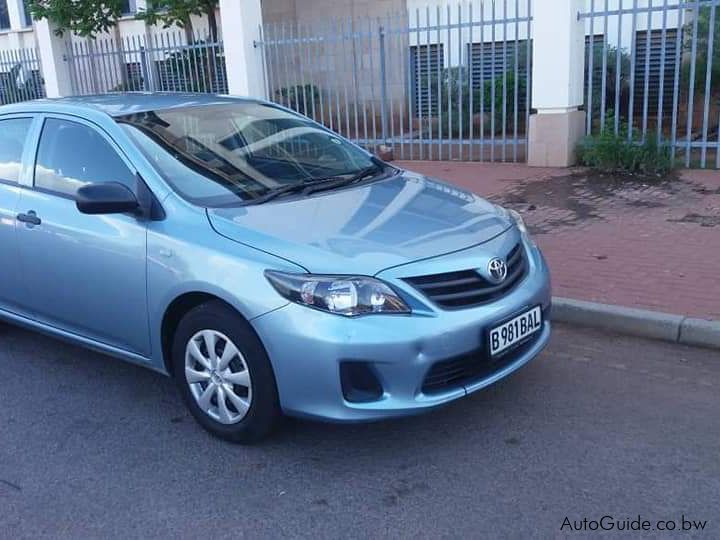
{"type": "Point", "coordinates": [359, 382]}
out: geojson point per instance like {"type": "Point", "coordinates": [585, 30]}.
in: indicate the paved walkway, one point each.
{"type": "Point", "coordinates": [652, 246]}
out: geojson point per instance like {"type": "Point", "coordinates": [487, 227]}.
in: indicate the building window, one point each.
{"type": "Point", "coordinates": [492, 59]}
{"type": "Point", "coordinates": [4, 16]}
{"type": "Point", "coordinates": [504, 62]}
{"type": "Point", "coordinates": [26, 13]}
{"type": "Point", "coordinates": [128, 7]}
{"type": "Point", "coordinates": [427, 62]}
{"type": "Point", "coordinates": [654, 73]}
{"type": "Point", "coordinates": [133, 76]}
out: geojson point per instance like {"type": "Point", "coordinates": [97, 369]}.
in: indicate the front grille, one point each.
{"type": "Point", "coordinates": [471, 367]}
{"type": "Point", "coordinates": [467, 288]}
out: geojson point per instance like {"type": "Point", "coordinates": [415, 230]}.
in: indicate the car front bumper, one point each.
{"type": "Point", "coordinates": [307, 348]}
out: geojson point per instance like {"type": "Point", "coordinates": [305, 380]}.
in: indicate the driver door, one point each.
{"type": "Point", "coordinates": [86, 274]}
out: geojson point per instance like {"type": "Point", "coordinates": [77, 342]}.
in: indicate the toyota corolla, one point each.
{"type": "Point", "coordinates": [264, 262]}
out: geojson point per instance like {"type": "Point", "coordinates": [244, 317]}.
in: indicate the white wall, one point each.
{"type": "Point", "coordinates": [22, 36]}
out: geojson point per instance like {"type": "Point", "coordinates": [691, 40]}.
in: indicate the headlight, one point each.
{"type": "Point", "coordinates": [343, 295]}
{"type": "Point", "coordinates": [517, 218]}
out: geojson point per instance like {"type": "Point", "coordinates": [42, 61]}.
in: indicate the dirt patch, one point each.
{"type": "Point", "coordinates": [567, 201]}
{"type": "Point", "coordinates": [702, 220]}
{"type": "Point", "coordinates": [707, 191]}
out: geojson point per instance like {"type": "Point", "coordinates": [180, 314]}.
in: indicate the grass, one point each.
{"type": "Point", "coordinates": [616, 153]}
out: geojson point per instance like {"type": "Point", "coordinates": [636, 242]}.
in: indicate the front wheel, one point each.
{"type": "Point", "coordinates": [224, 374]}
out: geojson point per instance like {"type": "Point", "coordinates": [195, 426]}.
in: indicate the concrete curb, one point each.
{"type": "Point", "coordinates": [638, 322]}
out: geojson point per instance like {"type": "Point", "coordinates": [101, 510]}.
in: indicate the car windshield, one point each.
{"type": "Point", "coordinates": [227, 154]}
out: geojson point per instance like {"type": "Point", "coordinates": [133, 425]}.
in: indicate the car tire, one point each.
{"type": "Point", "coordinates": [233, 396]}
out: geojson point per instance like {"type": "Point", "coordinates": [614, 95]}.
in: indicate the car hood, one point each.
{"type": "Point", "coordinates": [367, 228]}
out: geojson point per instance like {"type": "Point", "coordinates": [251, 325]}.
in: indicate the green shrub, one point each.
{"type": "Point", "coordinates": [611, 80]}
{"type": "Point", "coordinates": [615, 153]}
{"type": "Point", "coordinates": [704, 31]}
{"type": "Point", "coordinates": [454, 102]}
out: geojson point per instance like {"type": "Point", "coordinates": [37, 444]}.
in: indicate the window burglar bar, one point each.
{"type": "Point", "coordinates": [20, 78]}
{"type": "Point", "coordinates": [442, 82]}
{"type": "Point", "coordinates": [660, 74]}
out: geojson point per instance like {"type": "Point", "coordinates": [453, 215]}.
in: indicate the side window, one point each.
{"type": "Point", "coordinates": [71, 155]}
{"type": "Point", "coordinates": [13, 133]}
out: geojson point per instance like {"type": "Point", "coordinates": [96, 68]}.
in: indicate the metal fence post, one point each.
{"type": "Point", "coordinates": [148, 80]}
{"type": "Point", "coordinates": [70, 60]}
{"type": "Point", "coordinates": [383, 86]}
{"type": "Point", "coordinates": [143, 68]}
{"type": "Point", "coordinates": [92, 53]}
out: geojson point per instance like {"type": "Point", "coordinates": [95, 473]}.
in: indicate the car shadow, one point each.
{"type": "Point", "coordinates": [79, 380]}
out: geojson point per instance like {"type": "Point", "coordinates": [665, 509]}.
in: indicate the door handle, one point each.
{"type": "Point", "coordinates": [30, 218]}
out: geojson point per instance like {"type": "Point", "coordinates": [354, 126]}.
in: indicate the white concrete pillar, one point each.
{"type": "Point", "coordinates": [16, 18]}
{"type": "Point", "coordinates": [55, 66]}
{"type": "Point", "coordinates": [240, 22]}
{"type": "Point", "coordinates": [557, 82]}
{"type": "Point", "coordinates": [16, 24]}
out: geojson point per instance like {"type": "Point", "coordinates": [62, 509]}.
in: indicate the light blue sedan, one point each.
{"type": "Point", "coordinates": [264, 262]}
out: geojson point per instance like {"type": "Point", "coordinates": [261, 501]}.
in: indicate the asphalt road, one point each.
{"type": "Point", "coordinates": [598, 425]}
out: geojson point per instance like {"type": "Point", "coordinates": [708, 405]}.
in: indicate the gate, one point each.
{"type": "Point", "coordinates": [20, 78]}
{"type": "Point", "coordinates": [439, 83]}
{"type": "Point", "coordinates": [653, 70]}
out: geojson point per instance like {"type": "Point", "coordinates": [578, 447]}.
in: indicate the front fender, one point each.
{"type": "Point", "coordinates": [189, 257]}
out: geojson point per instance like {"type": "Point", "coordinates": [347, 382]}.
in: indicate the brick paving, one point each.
{"type": "Point", "coordinates": [649, 245]}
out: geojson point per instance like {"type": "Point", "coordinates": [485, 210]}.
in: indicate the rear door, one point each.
{"type": "Point", "coordinates": [14, 137]}
{"type": "Point", "coordinates": [86, 273]}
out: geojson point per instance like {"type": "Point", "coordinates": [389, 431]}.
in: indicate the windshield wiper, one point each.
{"type": "Point", "coordinates": [313, 186]}
{"type": "Point", "coordinates": [278, 192]}
{"type": "Point", "coordinates": [335, 182]}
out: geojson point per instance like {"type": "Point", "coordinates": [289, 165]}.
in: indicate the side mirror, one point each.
{"type": "Point", "coordinates": [106, 198]}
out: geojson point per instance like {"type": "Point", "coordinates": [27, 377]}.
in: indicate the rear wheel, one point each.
{"type": "Point", "coordinates": [224, 374]}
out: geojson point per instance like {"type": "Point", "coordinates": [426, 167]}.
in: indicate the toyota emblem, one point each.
{"type": "Point", "coordinates": [497, 269]}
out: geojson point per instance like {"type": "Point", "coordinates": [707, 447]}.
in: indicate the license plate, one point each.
{"type": "Point", "coordinates": [514, 331]}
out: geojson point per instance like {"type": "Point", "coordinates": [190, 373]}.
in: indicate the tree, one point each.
{"type": "Point", "coordinates": [704, 21]}
{"type": "Point", "coordinates": [85, 18]}
{"type": "Point", "coordinates": [613, 54]}
{"type": "Point", "coordinates": [179, 13]}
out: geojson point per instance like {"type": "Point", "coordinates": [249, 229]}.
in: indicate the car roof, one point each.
{"type": "Point", "coordinates": [123, 103]}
